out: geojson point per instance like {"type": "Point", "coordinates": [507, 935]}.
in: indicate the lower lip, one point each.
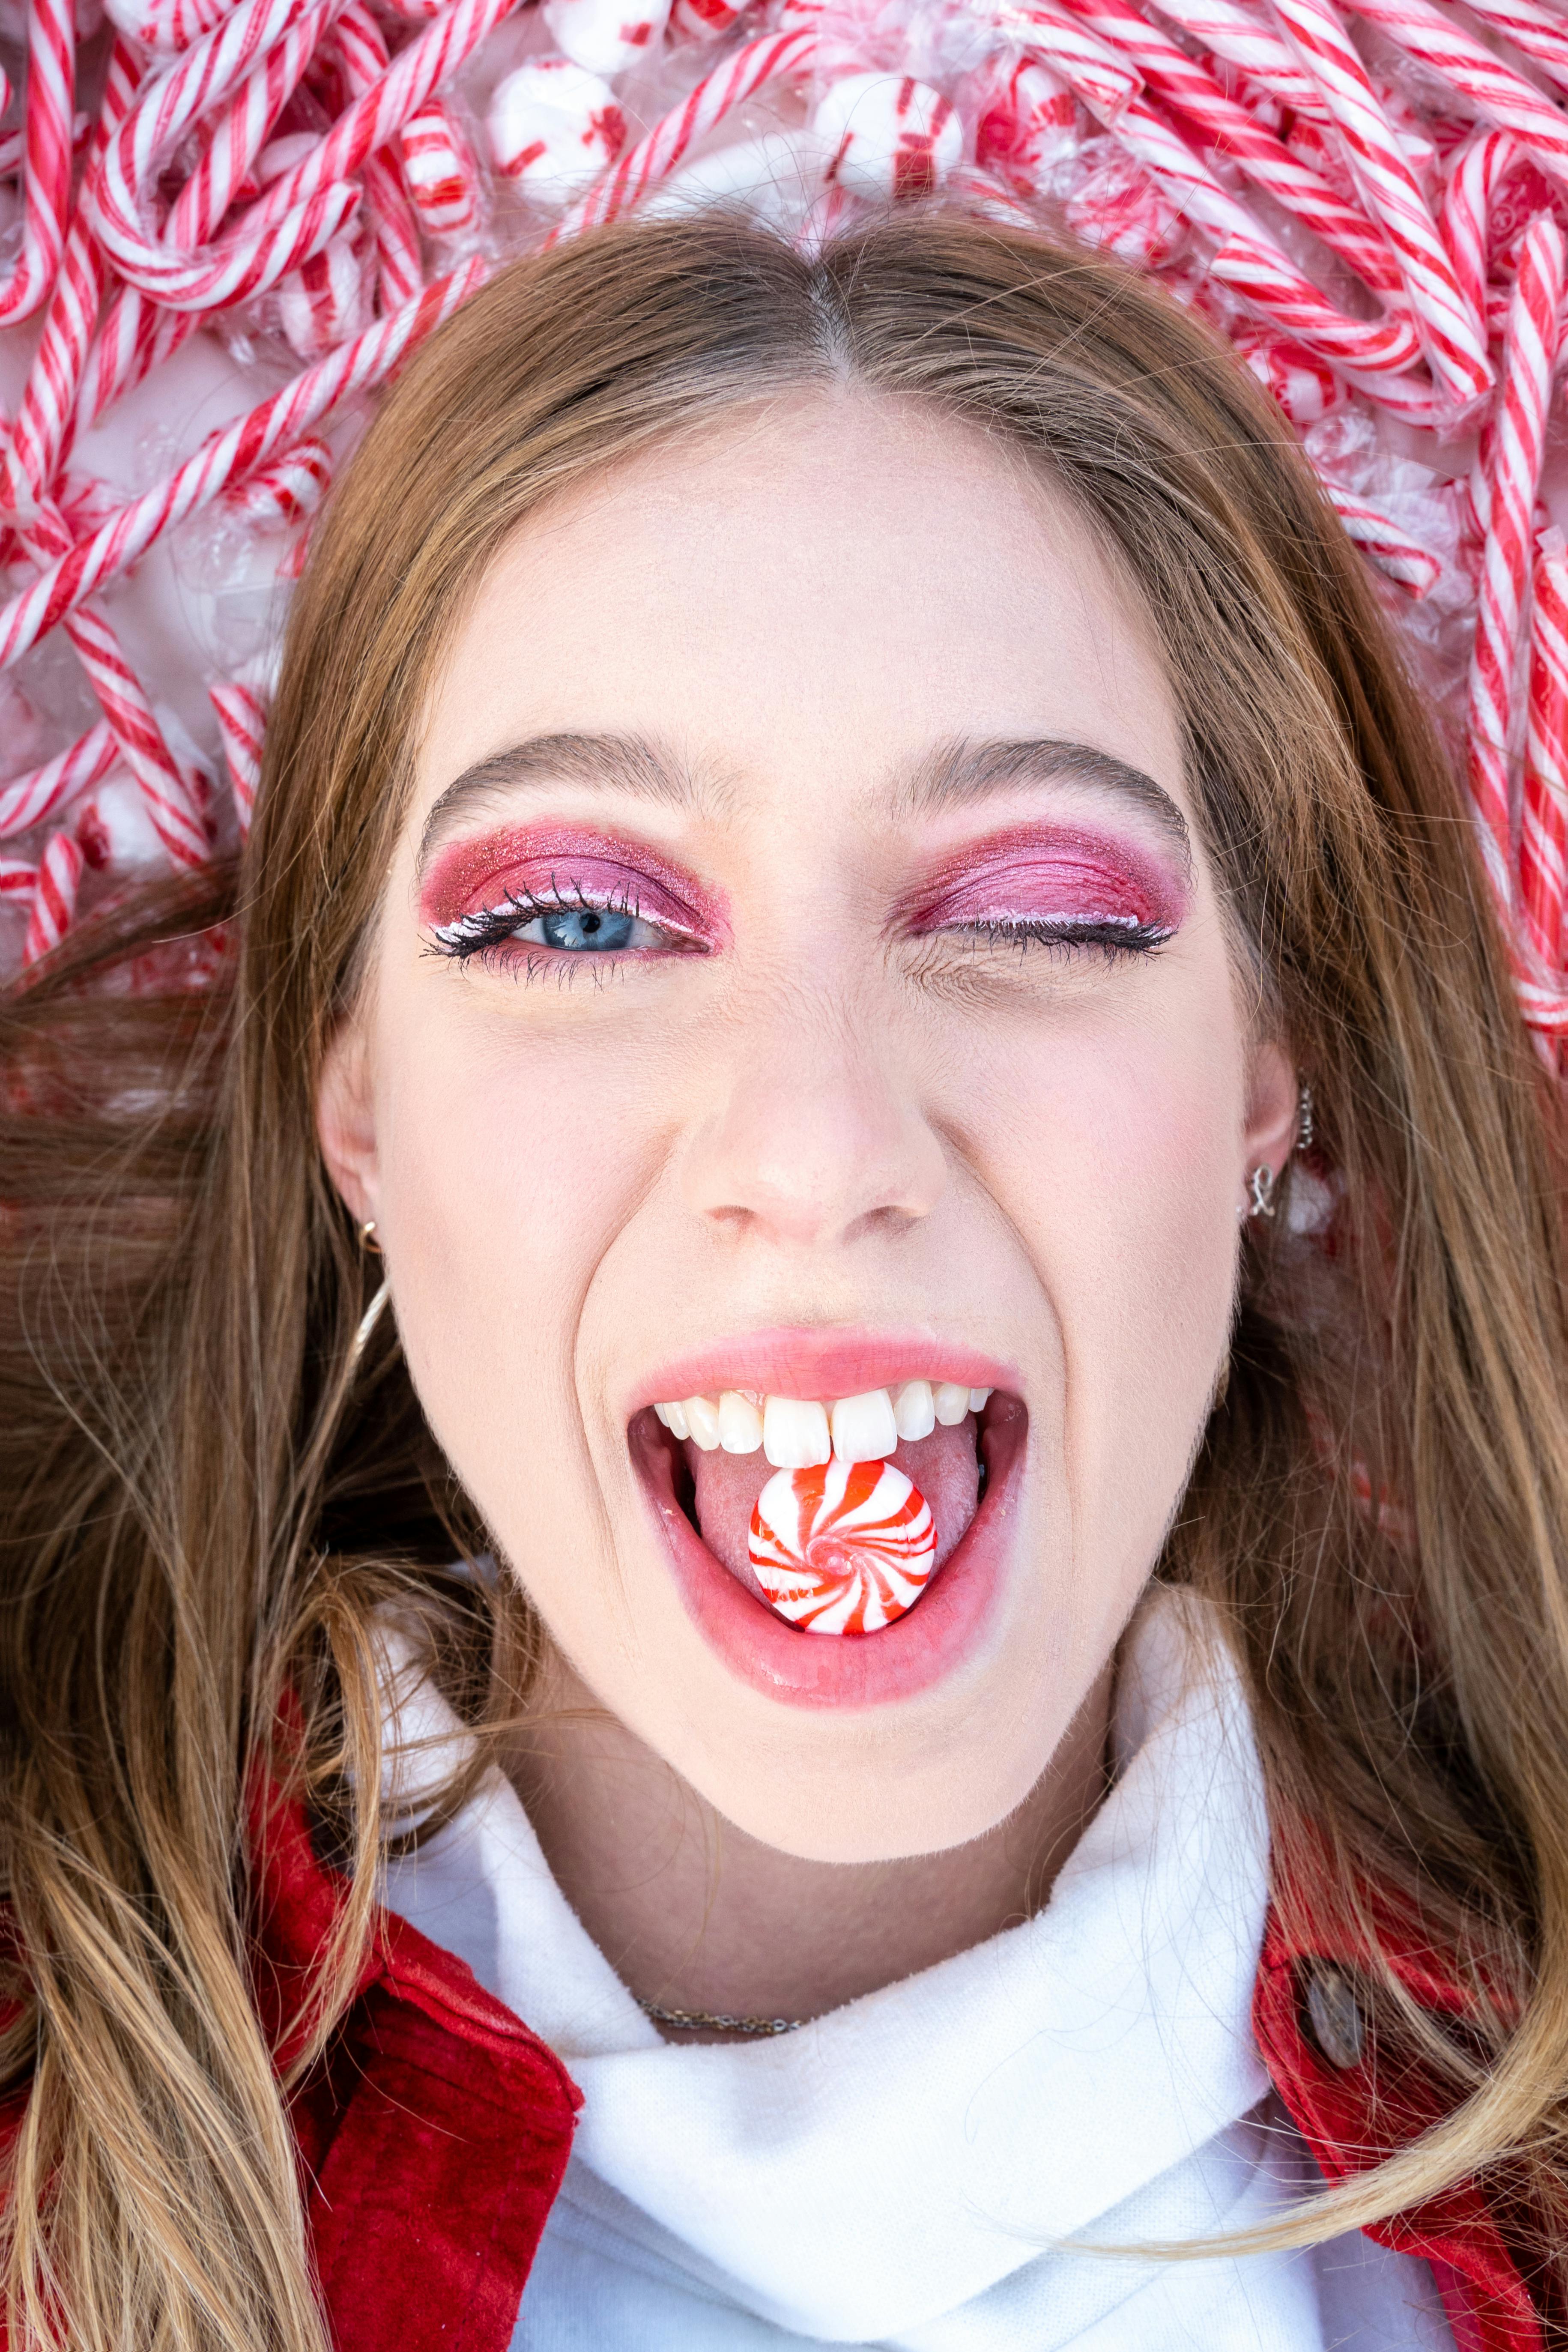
{"type": "Point", "coordinates": [946, 1625]}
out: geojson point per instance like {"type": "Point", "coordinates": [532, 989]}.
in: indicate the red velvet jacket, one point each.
{"type": "Point", "coordinates": [433, 2138]}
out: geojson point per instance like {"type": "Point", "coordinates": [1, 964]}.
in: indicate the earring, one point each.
{"type": "Point", "coordinates": [1305, 1130]}
{"type": "Point", "coordinates": [373, 1312]}
{"type": "Point", "coordinates": [1261, 1186]}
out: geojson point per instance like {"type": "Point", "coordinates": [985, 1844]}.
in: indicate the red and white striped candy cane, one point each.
{"type": "Point", "coordinates": [1513, 473]}
{"type": "Point", "coordinates": [1454, 336]}
{"type": "Point", "coordinates": [1478, 74]}
{"type": "Point", "coordinates": [45, 194]}
{"type": "Point", "coordinates": [653, 158]}
{"type": "Point", "coordinates": [360, 44]}
{"type": "Point", "coordinates": [137, 334]}
{"type": "Point", "coordinates": [117, 193]}
{"type": "Point", "coordinates": [1191, 92]}
{"type": "Point", "coordinates": [242, 727]}
{"type": "Point", "coordinates": [167, 25]}
{"type": "Point", "coordinates": [1464, 220]}
{"type": "Point", "coordinates": [1543, 834]}
{"type": "Point", "coordinates": [1243, 39]}
{"type": "Point", "coordinates": [30, 800]}
{"type": "Point", "coordinates": [414, 76]}
{"type": "Point", "coordinates": [1387, 544]}
{"type": "Point", "coordinates": [54, 898]}
{"type": "Point", "coordinates": [1097, 73]}
{"type": "Point", "coordinates": [1537, 32]}
{"type": "Point", "coordinates": [41, 437]}
{"type": "Point", "coordinates": [1246, 259]}
{"type": "Point", "coordinates": [225, 457]}
{"type": "Point", "coordinates": [165, 792]}
{"type": "Point", "coordinates": [289, 490]}
{"type": "Point", "coordinates": [19, 881]}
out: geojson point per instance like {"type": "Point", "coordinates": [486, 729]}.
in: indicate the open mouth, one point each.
{"type": "Point", "coordinates": [880, 1518]}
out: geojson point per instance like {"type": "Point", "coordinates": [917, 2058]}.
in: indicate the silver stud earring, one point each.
{"type": "Point", "coordinates": [1305, 1130]}
{"type": "Point", "coordinates": [1260, 1184]}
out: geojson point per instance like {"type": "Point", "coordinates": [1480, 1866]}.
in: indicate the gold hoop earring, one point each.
{"type": "Point", "coordinates": [374, 1312]}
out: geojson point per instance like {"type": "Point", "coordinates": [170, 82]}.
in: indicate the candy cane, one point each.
{"type": "Point", "coordinates": [254, 256]}
{"type": "Point", "coordinates": [167, 23]}
{"type": "Point", "coordinates": [1534, 333]}
{"type": "Point", "coordinates": [53, 895]}
{"type": "Point", "coordinates": [1387, 544]}
{"type": "Point", "coordinates": [1100, 77]}
{"type": "Point", "coordinates": [1191, 91]}
{"type": "Point", "coordinates": [1247, 260]}
{"type": "Point", "coordinates": [224, 457]}
{"type": "Point", "coordinates": [30, 800]}
{"type": "Point", "coordinates": [288, 490]}
{"type": "Point", "coordinates": [1478, 74]}
{"type": "Point", "coordinates": [1483, 164]}
{"type": "Point", "coordinates": [242, 726]}
{"type": "Point", "coordinates": [1543, 835]}
{"type": "Point", "coordinates": [385, 108]}
{"type": "Point", "coordinates": [41, 437]}
{"type": "Point", "coordinates": [654, 157]}
{"type": "Point", "coordinates": [362, 44]}
{"type": "Point", "coordinates": [1539, 32]}
{"type": "Point", "coordinates": [1455, 338]}
{"type": "Point", "coordinates": [51, 100]}
{"type": "Point", "coordinates": [137, 336]}
{"type": "Point", "coordinates": [1242, 39]}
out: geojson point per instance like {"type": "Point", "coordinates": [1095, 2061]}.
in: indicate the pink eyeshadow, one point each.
{"type": "Point", "coordinates": [1052, 875]}
{"type": "Point", "coordinates": [473, 874]}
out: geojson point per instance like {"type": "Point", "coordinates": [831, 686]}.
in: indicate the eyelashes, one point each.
{"type": "Point", "coordinates": [570, 925]}
{"type": "Point", "coordinates": [1089, 900]}
{"type": "Point", "coordinates": [572, 930]}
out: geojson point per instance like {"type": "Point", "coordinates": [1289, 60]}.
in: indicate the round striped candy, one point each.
{"type": "Point", "coordinates": [844, 1547]}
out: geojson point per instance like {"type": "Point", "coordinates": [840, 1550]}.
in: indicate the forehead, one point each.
{"type": "Point", "coordinates": [831, 582]}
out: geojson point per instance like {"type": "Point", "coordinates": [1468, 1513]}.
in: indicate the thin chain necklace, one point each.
{"type": "Point", "coordinates": [710, 2021]}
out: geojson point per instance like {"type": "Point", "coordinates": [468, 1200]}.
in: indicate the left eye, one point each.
{"type": "Point", "coordinates": [566, 929]}
{"type": "Point", "coordinates": [578, 928]}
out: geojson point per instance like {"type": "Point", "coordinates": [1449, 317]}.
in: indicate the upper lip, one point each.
{"type": "Point", "coordinates": [837, 1362]}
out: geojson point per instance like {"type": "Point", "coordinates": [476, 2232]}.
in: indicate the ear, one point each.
{"type": "Point", "coordinates": [345, 1122]}
{"type": "Point", "coordinates": [1269, 1132]}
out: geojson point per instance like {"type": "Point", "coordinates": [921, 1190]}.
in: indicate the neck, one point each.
{"type": "Point", "coordinates": [696, 1916]}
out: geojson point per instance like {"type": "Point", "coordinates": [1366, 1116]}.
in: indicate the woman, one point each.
{"type": "Point", "coordinates": [847, 886]}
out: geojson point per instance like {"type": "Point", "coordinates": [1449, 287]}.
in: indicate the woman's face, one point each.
{"type": "Point", "coordinates": [800, 977]}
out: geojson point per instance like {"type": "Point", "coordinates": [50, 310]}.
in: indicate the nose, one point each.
{"type": "Point", "coordinates": [816, 1139]}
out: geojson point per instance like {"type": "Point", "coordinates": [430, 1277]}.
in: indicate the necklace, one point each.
{"type": "Point", "coordinates": [697, 2019]}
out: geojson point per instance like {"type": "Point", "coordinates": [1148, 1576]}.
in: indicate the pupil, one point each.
{"type": "Point", "coordinates": [587, 927]}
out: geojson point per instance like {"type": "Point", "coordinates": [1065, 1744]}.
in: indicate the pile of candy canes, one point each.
{"type": "Point", "coordinates": [210, 200]}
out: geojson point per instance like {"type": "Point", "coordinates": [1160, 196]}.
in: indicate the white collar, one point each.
{"type": "Point", "coordinates": [896, 2159]}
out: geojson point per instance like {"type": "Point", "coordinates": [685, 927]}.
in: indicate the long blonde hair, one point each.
{"type": "Point", "coordinates": [203, 1503]}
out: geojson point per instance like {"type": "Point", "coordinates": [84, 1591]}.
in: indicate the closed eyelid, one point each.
{"type": "Point", "coordinates": [1057, 868]}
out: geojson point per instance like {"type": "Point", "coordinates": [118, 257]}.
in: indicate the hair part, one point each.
{"type": "Point", "coordinates": [206, 1505]}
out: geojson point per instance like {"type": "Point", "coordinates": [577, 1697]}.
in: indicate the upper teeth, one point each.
{"type": "Point", "coordinates": [795, 1432]}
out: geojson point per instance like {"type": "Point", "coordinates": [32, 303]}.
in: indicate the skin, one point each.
{"type": "Point", "coordinates": [845, 1106]}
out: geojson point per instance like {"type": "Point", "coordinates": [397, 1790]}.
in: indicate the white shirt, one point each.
{"type": "Point", "coordinates": [904, 2171]}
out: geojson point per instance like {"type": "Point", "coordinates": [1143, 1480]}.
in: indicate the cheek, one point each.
{"type": "Point", "coordinates": [509, 1167]}
{"type": "Point", "coordinates": [1119, 1169]}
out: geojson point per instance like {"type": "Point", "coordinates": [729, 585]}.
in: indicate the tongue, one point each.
{"type": "Point", "coordinates": [945, 1467]}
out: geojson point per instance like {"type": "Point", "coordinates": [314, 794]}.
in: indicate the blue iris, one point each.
{"type": "Point", "coordinates": [593, 927]}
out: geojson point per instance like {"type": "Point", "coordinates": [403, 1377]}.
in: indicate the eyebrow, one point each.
{"type": "Point", "coordinates": [627, 763]}
{"type": "Point", "coordinates": [949, 777]}
{"type": "Point", "coordinates": [957, 773]}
